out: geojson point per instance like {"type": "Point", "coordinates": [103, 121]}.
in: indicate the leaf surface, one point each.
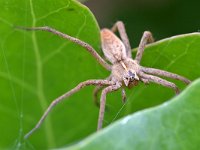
{"type": "Point", "coordinates": [172, 125]}
{"type": "Point", "coordinates": [37, 67]}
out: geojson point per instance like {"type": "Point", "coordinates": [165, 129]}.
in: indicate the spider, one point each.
{"type": "Point", "coordinates": [125, 71]}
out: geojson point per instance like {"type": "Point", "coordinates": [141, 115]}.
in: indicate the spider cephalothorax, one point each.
{"type": "Point", "coordinates": [130, 78]}
{"type": "Point", "coordinates": [125, 71]}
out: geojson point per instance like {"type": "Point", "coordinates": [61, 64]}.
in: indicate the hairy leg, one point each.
{"type": "Point", "coordinates": [103, 103]}
{"type": "Point", "coordinates": [62, 97]}
{"type": "Point", "coordinates": [88, 47]}
{"type": "Point", "coordinates": [163, 73]}
{"type": "Point", "coordinates": [160, 81]}
{"type": "Point", "coordinates": [119, 25]}
{"type": "Point", "coordinates": [123, 96]}
{"type": "Point", "coordinates": [97, 89]}
{"type": "Point", "coordinates": [145, 81]}
{"type": "Point", "coordinates": [146, 38]}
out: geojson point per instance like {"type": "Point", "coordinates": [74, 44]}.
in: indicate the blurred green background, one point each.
{"type": "Point", "coordinates": [164, 18]}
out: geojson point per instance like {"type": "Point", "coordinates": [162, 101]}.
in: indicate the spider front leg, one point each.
{"type": "Point", "coordinates": [119, 25]}
{"type": "Point", "coordinates": [163, 73]}
{"type": "Point", "coordinates": [103, 102]}
{"type": "Point", "coordinates": [160, 81]}
{"type": "Point", "coordinates": [69, 93]}
{"type": "Point", "coordinates": [146, 38]}
{"type": "Point", "coordinates": [88, 47]}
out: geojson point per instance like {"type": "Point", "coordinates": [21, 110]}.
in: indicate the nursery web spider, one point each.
{"type": "Point", "coordinates": [125, 71]}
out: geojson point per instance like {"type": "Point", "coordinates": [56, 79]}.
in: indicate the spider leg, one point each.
{"type": "Point", "coordinates": [146, 38]}
{"type": "Point", "coordinates": [123, 96]}
{"type": "Point", "coordinates": [163, 73]}
{"type": "Point", "coordinates": [160, 81]}
{"type": "Point", "coordinates": [88, 47]}
{"type": "Point", "coordinates": [97, 89]}
{"type": "Point", "coordinates": [119, 25]}
{"type": "Point", "coordinates": [62, 97]}
{"type": "Point", "coordinates": [103, 102]}
{"type": "Point", "coordinates": [145, 81]}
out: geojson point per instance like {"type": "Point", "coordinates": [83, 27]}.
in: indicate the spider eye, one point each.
{"type": "Point", "coordinates": [132, 75]}
{"type": "Point", "coordinates": [126, 78]}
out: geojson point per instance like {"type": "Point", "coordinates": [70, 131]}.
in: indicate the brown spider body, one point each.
{"type": "Point", "coordinates": [125, 71]}
{"type": "Point", "coordinates": [120, 72]}
{"type": "Point", "coordinates": [123, 66]}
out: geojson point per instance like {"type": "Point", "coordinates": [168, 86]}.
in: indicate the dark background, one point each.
{"type": "Point", "coordinates": [164, 18]}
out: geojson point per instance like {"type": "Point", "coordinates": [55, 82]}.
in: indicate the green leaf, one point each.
{"type": "Point", "coordinates": [174, 125]}
{"type": "Point", "coordinates": [37, 67]}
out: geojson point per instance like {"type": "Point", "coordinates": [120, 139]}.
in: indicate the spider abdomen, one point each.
{"type": "Point", "coordinates": [113, 48]}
